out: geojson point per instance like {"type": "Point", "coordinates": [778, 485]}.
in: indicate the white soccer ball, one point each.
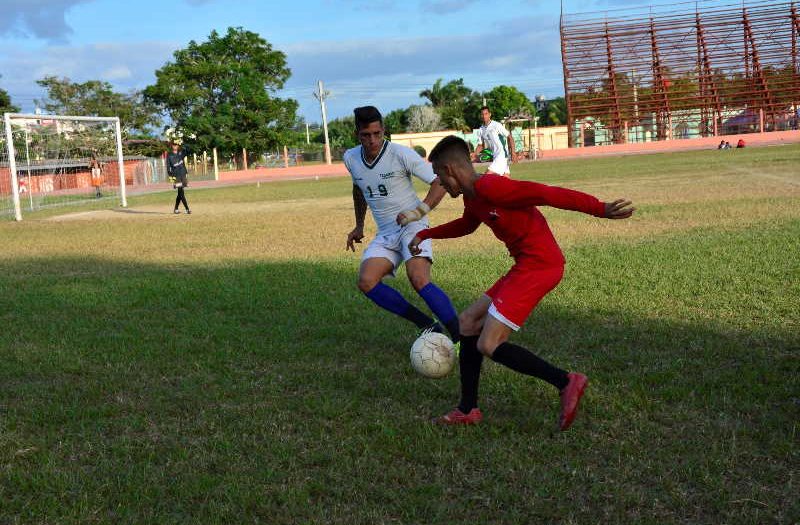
{"type": "Point", "coordinates": [433, 355]}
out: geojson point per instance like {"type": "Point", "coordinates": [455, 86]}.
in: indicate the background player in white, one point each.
{"type": "Point", "coordinates": [381, 173]}
{"type": "Point", "coordinates": [491, 136]}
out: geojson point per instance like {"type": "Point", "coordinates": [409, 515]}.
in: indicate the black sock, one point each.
{"type": "Point", "coordinates": [526, 362]}
{"type": "Point", "coordinates": [417, 316]}
{"type": "Point", "coordinates": [452, 327]}
{"type": "Point", "coordinates": [469, 362]}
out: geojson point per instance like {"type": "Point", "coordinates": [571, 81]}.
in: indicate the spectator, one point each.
{"type": "Point", "coordinates": [721, 144]}
{"type": "Point", "coordinates": [727, 145]}
{"type": "Point", "coordinates": [740, 144]}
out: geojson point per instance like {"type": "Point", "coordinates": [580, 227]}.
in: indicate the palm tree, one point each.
{"type": "Point", "coordinates": [435, 94]}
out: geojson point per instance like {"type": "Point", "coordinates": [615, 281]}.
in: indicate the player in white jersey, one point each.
{"type": "Point", "coordinates": [494, 137]}
{"type": "Point", "coordinates": [381, 173]}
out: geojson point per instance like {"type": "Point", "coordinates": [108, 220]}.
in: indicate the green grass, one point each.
{"type": "Point", "coordinates": [222, 367]}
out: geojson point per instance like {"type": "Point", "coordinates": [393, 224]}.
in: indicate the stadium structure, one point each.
{"type": "Point", "coordinates": [686, 70]}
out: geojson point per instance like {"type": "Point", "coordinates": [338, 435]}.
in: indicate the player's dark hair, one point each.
{"type": "Point", "coordinates": [366, 115]}
{"type": "Point", "coordinates": [486, 108]}
{"type": "Point", "coordinates": [450, 149]}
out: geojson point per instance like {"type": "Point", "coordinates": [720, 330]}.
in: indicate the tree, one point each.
{"type": "Point", "coordinates": [396, 121]}
{"type": "Point", "coordinates": [451, 101]}
{"type": "Point", "coordinates": [505, 100]}
{"type": "Point", "coordinates": [341, 133]}
{"type": "Point", "coordinates": [423, 118]}
{"type": "Point", "coordinates": [223, 91]}
{"type": "Point", "coordinates": [5, 102]}
{"type": "Point", "coordinates": [98, 99]}
{"type": "Point", "coordinates": [554, 113]}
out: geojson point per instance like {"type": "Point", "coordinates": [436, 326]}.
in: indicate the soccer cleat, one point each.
{"type": "Point", "coordinates": [570, 398]}
{"type": "Point", "coordinates": [177, 211]}
{"type": "Point", "coordinates": [188, 212]}
{"type": "Point", "coordinates": [457, 417]}
{"type": "Point", "coordinates": [433, 327]}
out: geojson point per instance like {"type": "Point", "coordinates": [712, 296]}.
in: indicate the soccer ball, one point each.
{"type": "Point", "coordinates": [433, 355]}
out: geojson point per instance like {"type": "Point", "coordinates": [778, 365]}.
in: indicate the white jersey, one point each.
{"type": "Point", "coordinates": [386, 181]}
{"type": "Point", "coordinates": [489, 135]}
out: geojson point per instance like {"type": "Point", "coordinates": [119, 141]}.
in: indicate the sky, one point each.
{"type": "Point", "coordinates": [379, 52]}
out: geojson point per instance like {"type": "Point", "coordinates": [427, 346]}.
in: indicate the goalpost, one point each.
{"type": "Point", "coordinates": [55, 160]}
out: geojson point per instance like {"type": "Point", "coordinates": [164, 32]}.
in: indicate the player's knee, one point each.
{"type": "Point", "coordinates": [468, 324]}
{"type": "Point", "coordinates": [419, 281]}
{"type": "Point", "coordinates": [366, 283]}
{"type": "Point", "coordinates": [487, 347]}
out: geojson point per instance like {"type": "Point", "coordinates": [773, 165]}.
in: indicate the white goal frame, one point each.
{"type": "Point", "coordinates": [12, 162]}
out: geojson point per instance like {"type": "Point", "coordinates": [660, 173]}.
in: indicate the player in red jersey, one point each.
{"type": "Point", "coordinates": [508, 207]}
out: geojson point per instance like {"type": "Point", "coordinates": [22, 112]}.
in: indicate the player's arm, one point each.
{"type": "Point", "coordinates": [360, 207]}
{"type": "Point", "coordinates": [512, 154]}
{"type": "Point", "coordinates": [431, 200]}
{"type": "Point", "coordinates": [478, 147]}
{"type": "Point", "coordinates": [460, 227]}
{"type": "Point", "coordinates": [511, 193]}
{"type": "Point", "coordinates": [422, 169]}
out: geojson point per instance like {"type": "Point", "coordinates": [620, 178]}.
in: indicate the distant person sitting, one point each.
{"type": "Point", "coordinates": [721, 144]}
{"type": "Point", "coordinates": [727, 145]}
{"type": "Point", "coordinates": [740, 144]}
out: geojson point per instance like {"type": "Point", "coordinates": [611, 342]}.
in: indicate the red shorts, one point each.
{"type": "Point", "coordinates": [516, 294]}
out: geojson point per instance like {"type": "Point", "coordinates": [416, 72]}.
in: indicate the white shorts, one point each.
{"type": "Point", "coordinates": [394, 245]}
{"type": "Point", "coordinates": [499, 166]}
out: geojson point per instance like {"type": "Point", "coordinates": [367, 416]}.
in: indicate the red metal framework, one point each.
{"type": "Point", "coordinates": [704, 68]}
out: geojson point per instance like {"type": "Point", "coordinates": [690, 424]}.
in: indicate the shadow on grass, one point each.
{"type": "Point", "coordinates": [276, 391]}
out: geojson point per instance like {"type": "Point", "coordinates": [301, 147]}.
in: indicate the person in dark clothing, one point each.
{"type": "Point", "coordinates": [176, 169]}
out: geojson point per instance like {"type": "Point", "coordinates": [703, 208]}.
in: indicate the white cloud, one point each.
{"type": "Point", "coordinates": [43, 19]}
{"type": "Point", "coordinates": [127, 66]}
{"type": "Point", "coordinates": [390, 73]}
{"type": "Point", "coordinates": [116, 73]}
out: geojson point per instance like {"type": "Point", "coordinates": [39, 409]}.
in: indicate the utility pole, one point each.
{"type": "Point", "coordinates": [308, 135]}
{"type": "Point", "coordinates": [321, 95]}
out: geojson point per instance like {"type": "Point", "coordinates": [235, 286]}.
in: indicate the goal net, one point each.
{"type": "Point", "coordinates": [48, 161]}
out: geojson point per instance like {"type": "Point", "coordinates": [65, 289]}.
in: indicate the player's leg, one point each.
{"type": "Point", "coordinates": [418, 270]}
{"type": "Point", "coordinates": [469, 364]}
{"type": "Point", "coordinates": [178, 200]}
{"type": "Point", "coordinates": [499, 166]}
{"type": "Point", "coordinates": [370, 276]}
{"type": "Point", "coordinates": [182, 195]}
{"type": "Point", "coordinates": [511, 304]}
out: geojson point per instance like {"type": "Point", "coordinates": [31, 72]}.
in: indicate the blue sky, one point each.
{"type": "Point", "coordinates": [367, 52]}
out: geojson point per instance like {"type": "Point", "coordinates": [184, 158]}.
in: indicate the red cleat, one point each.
{"type": "Point", "coordinates": [570, 398]}
{"type": "Point", "coordinates": [457, 417]}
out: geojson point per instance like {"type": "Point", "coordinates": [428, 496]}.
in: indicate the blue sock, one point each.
{"type": "Point", "coordinates": [440, 305]}
{"type": "Point", "coordinates": [390, 299]}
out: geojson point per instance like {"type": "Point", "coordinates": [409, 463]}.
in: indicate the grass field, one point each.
{"type": "Point", "coordinates": [222, 367]}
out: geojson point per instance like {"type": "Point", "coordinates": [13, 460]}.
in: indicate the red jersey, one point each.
{"type": "Point", "coordinates": [508, 207]}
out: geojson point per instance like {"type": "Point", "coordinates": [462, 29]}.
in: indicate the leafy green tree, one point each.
{"type": "Point", "coordinates": [451, 101]}
{"type": "Point", "coordinates": [223, 91]}
{"type": "Point", "coordinates": [554, 114]}
{"type": "Point", "coordinates": [341, 133]}
{"type": "Point", "coordinates": [396, 121]}
{"type": "Point", "coordinates": [505, 100]}
{"type": "Point", "coordinates": [98, 99]}
{"type": "Point", "coordinates": [5, 103]}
